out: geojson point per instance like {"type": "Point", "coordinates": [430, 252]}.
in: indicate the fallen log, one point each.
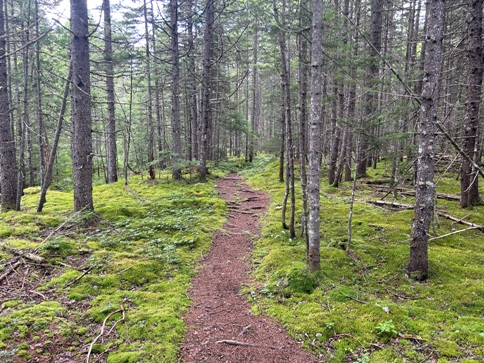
{"type": "Point", "coordinates": [441, 214]}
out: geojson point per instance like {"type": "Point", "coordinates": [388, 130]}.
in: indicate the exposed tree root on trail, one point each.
{"type": "Point", "coordinates": [220, 326]}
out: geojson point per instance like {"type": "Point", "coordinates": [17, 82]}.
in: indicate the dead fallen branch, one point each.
{"type": "Point", "coordinates": [9, 270]}
{"type": "Point", "coordinates": [120, 310]}
{"type": "Point", "coordinates": [22, 253]}
{"type": "Point", "coordinates": [441, 214]}
{"type": "Point", "coordinates": [461, 221]}
{"type": "Point", "coordinates": [391, 204]}
{"type": "Point", "coordinates": [235, 342]}
{"type": "Point", "coordinates": [79, 277]}
{"type": "Point", "coordinates": [455, 232]}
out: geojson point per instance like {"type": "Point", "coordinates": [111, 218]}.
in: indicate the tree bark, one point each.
{"type": "Point", "coordinates": [8, 162]}
{"type": "Point", "coordinates": [206, 88]}
{"type": "Point", "coordinates": [314, 174]}
{"type": "Point", "coordinates": [192, 85]}
{"type": "Point", "coordinates": [372, 85]}
{"type": "Point", "coordinates": [175, 92]}
{"type": "Point", "coordinates": [81, 142]}
{"type": "Point", "coordinates": [425, 187]}
{"type": "Point", "coordinates": [50, 165]}
{"type": "Point", "coordinates": [151, 130]}
{"type": "Point", "coordinates": [112, 154]}
{"type": "Point", "coordinates": [469, 186]}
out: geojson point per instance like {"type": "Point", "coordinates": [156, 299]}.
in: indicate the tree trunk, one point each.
{"type": "Point", "coordinates": [50, 165]}
{"type": "Point", "coordinates": [253, 114]}
{"type": "Point", "coordinates": [24, 122]}
{"type": "Point", "coordinates": [314, 175]}
{"type": "Point", "coordinates": [425, 187]}
{"type": "Point", "coordinates": [43, 141]}
{"type": "Point", "coordinates": [469, 186]}
{"type": "Point", "coordinates": [175, 92]}
{"type": "Point", "coordinates": [286, 104]}
{"type": "Point", "coordinates": [81, 108]}
{"type": "Point", "coordinates": [151, 130]}
{"type": "Point", "coordinates": [372, 85]}
{"type": "Point", "coordinates": [193, 86]}
{"type": "Point", "coordinates": [8, 163]}
{"type": "Point", "coordinates": [303, 114]}
{"type": "Point", "coordinates": [206, 88]}
{"type": "Point", "coordinates": [112, 154]}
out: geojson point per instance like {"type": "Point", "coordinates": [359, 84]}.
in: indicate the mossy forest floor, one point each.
{"type": "Point", "coordinates": [113, 286]}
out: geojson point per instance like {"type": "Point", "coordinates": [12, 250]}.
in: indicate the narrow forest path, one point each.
{"type": "Point", "coordinates": [220, 326]}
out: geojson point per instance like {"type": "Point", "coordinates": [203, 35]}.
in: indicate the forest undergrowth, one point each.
{"type": "Point", "coordinates": [112, 286]}
{"type": "Point", "coordinates": [361, 307]}
{"type": "Point", "coordinates": [107, 287]}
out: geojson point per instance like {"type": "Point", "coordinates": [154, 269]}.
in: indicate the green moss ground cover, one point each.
{"type": "Point", "coordinates": [365, 309]}
{"type": "Point", "coordinates": [139, 251]}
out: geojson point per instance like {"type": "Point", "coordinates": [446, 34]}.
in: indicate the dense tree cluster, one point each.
{"type": "Point", "coordinates": [181, 84]}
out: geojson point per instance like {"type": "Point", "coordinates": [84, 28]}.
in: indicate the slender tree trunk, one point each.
{"type": "Point", "coordinates": [8, 163]}
{"type": "Point", "coordinates": [425, 187]}
{"type": "Point", "coordinates": [81, 108]}
{"type": "Point", "coordinates": [112, 154]}
{"type": "Point", "coordinates": [151, 130]}
{"type": "Point", "coordinates": [372, 84]}
{"type": "Point", "coordinates": [23, 122]}
{"type": "Point", "coordinates": [192, 85]}
{"type": "Point", "coordinates": [253, 114]}
{"type": "Point", "coordinates": [303, 114]}
{"type": "Point", "coordinates": [50, 165]}
{"type": "Point", "coordinates": [43, 141]}
{"type": "Point", "coordinates": [469, 186]}
{"type": "Point", "coordinates": [206, 88]}
{"type": "Point", "coordinates": [352, 93]}
{"type": "Point", "coordinates": [175, 92]}
{"type": "Point", "coordinates": [314, 175]}
{"type": "Point", "coordinates": [286, 104]}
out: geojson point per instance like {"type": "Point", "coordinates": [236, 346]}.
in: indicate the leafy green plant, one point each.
{"type": "Point", "coordinates": [387, 328]}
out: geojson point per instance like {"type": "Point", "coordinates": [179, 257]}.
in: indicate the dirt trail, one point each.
{"type": "Point", "coordinates": [220, 316]}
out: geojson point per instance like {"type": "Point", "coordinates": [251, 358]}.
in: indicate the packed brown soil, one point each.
{"type": "Point", "coordinates": [220, 326]}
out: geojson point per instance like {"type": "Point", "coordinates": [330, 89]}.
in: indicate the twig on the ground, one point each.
{"type": "Point", "coordinates": [120, 310]}
{"type": "Point", "coordinates": [71, 217]}
{"type": "Point", "coordinates": [244, 330]}
{"type": "Point", "coordinates": [9, 270]}
{"type": "Point", "coordinates": [79, 277]}
{"type": "Point", "coordinates": [235, 342]}
{"type": "Point", "coordinates": [38, 293]}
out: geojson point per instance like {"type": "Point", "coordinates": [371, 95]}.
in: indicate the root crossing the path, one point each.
{"type": "Point", "coordinates": [220, 326]}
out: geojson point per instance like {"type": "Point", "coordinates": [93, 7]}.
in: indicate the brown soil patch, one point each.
{"type": "Point", "coordinates": [220, 315]}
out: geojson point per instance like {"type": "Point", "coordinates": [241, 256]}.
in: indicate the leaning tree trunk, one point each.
{"type": "Point", "coordinates": [50, 164]}
{"type": "Point", "coordinates": [81, 141]}
{"type": "Point", "coordinates": [111, 155]}
{"type": "Point", "coordinates": [314, 174]}
{"type": "Point", "coordinates": [469, 186]}
{"type": "Point", "coordinates": [425, 187]}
